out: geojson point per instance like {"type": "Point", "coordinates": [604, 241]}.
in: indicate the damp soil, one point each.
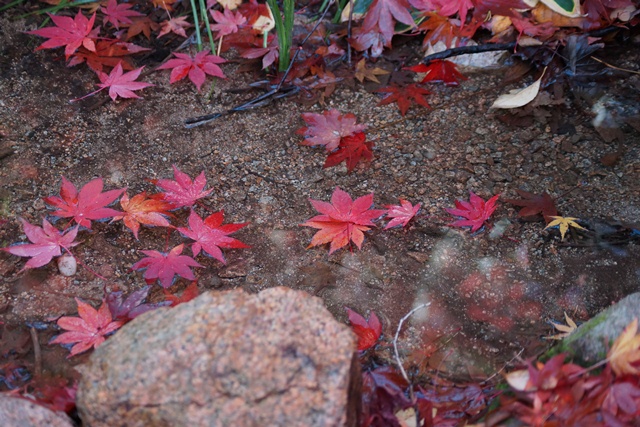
{"type": "Point", "coordinates": [489, 293]}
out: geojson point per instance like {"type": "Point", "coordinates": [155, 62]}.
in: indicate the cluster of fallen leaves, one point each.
{"type": "Point", "coordinates": [247, 26]}
{"type": "Point", "coordinates": [90, 203]}
{"type": "Point", "coordinates": [554, 393]}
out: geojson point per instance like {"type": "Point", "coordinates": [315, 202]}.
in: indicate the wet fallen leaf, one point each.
{"type": "Point", "coordinates": [563, 223]}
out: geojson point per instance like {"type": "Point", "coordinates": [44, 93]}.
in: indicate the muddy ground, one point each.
{"type": "Point", "coordinates": [490, 294]}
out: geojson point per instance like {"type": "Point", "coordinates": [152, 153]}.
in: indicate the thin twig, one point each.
{"type": "Point", "coordinates": [614, 67]}
{"type": "Point", "coordinates": [36, 352]}
{"type": "Point", "coordinates": [395, 342]}
{"type": "Point", "coordinates": [503, 367]}
{"type": "Point", "coordinates": [462, 50]}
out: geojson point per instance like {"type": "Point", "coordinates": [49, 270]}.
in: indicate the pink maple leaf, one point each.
{"type": "Point", "coordinates": [381, 15]}
{"type": "Point", "coordinates": [118, 13]}
{"type": "Point", "coordinates": [401, 214]}
{"type": "Point", "coordinates": [174, 25]}
{"type": "Point", "coordinates": [85, 206]}
{"type": "Point", "coordinates": [182, 192]}
{"type": "Point", "coordinates": [227, 22]}
{"type": "Point", "coordinates": [120, 83]}
{"type": "Point", "coordinates": [476, 211]}
{"type": "Point", "coordinates": [210, 235]}
{"type": "Point", "coordinates": [164, 267]}
{"type": "Point", "coordinates": [451, 7]}
{"type": "Point", "coordinates": [88, 330]}
{"type": "Point", "coordinates": [46, 242]}
{"type": "Point", "coordinates": [196, 67]}
{"type": "Point", "coordinates": [367, 331]}
{"type": "Point", "coordinates": [328, 128]}
{"type": "Point", "coordinates": [439, 71]}
{"type": "Point", "coordinates": [342, 220]}
{"type": "Point", "coordinates": [70, 33]}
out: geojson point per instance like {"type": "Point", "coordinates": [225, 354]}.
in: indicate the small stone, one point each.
{"type": "Point", "coordinates": [19, 412]}
{"type": "Point", "coordinates": [67, 265]}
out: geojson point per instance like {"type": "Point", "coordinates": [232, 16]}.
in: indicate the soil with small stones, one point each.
{"type": "Point", "coordinates": [490, 292]}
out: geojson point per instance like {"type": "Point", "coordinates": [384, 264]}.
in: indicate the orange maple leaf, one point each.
{"type": "Point", "coordinates": [140, 210]}
{"type": "Point", "coordinates": [624, 356]}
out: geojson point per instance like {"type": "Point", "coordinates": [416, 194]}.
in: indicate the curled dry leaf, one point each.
{"type": "Point", "coordinates": [624, 356]}
{"type": "Point", "coordinates": [518, 97]}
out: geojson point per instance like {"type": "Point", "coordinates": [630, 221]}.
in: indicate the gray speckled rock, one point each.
{"type": "Point", "coordinates": [18, 412]}
{"type": "Point", "coordinates": [588, 342]}
{"type": "Point", "coordinates": [277, 358]}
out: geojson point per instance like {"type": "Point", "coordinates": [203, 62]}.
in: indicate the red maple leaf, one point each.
{"type": "Point", "coordinates": [131, 307]}
{"type": "Point", "coordinates": [182, 191]}
{"type": "Point", "coordinates": [196, 67]}
{"type": "Point", "coordinates": [381, 14]}
{"type": "Point", "coordinates": [401, 214]}
{"type": "Point", "coordinates": [439, 70]}
{"type": "Point", "coordinates": [164, 267]}
{"type": "Point", "coordinates": [351, 150]}
{"type": "Point", "coordinates": [367, 331]}
{"type": "Point", "coordinates": [143, 25]}
{"type": "Point", "coordinates": [88, 330]}
{"type": "Point", "coordinates": [227, 22]}
{"type": "Point", "coordinates": [403, 96]}
{"type": "Point", "coordinates": [108, 53]}
{"type": "Point", "coordinates": [174, 25]}
{"type": "Point", "coordinates": [535, 204]}
{"type": "Point", "coordinates": [187, 295]}
{"type": "Point", "coordinates": [328, 128]}
{"type": "Point", "coordinates": [45, 243]}
{"type": "Point", "coordinates": [141, 210]}
{"type": "Point", "coordinates": [210, 235]}
{"type": "Point", "coordinates": [476, 211]}
{"type": "Point", "coordinates": [118, 13]}
{"type": "Point", "coordinates": [121, 84]}
{"type": "Point", "coordinates": [342, 220]}
{"type": "Point", "coordinates": [70, 33]}
{"type": "Point", "coordinates": [85, 206]}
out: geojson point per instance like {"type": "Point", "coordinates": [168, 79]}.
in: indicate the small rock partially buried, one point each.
{"type": "Point", "coordinates": [19, 412]}
{"type": "Point", "coordinates": [277, 358]}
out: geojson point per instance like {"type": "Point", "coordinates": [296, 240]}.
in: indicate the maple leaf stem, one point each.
{"type": "Point", "coordinates": [87, 95]}
{"type": "Point", "coordinates": [89, 269]}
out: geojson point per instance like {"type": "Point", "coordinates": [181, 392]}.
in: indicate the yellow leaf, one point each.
{"type": "Point", "coordinates": [565, 330]}
{"type": "Point", "coordinates": [624, 356]}
{"type": "Point", "coordinates": [563, 223]}
{"type": "Point", "coordinates": [362, 72]}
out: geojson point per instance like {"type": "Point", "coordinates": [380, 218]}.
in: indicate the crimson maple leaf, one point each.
{"type": "Point", "coordinates": [367, 331]}
{"type": "Point", "coordinates": [164, 267]}
{"type": "Point", "coordinates": [381, 16]}
{"type": "Point", "coordinates": [351, 150]}
{"type": "Point", "coordinates": [328, 128]}
{"type": "Point", "coordinates": [439, 70]}
{"type": "Point", "coordinates": [85, 206]}
{"type": "Point", "coordinates": [401, 214]}
{"type": "Point", "coordinates": [476, 211]}
{"type": "Point", "coordinates": [118, 13]}
{"type": "Point", "coordinates": [141, 210]}
{"type": "Point", "coordinates": [210, 235]}
{"type": "Point", "coordinates": [70, 33]}
{"type": "Point", "coordinates": [196, 67]}
{"type": "Point", "coordinates": [174, 25]}
{"type": "Point", "coordinates": [88, 330]}
{"type": "Point", "coordinates": [182, 191]}
{"type": "Point", "coordinates": [45, 243]}
{"type": "Point", "coordinates": [342, 220]}
{"type": "Point", "coordinates": [187, 295]}
{"type": "Point", "coordinates": [535, 204]}
{"type": "Point", "coordinates": [403, 96]}
{"type": "Point", "coordinates": [227, 22]}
